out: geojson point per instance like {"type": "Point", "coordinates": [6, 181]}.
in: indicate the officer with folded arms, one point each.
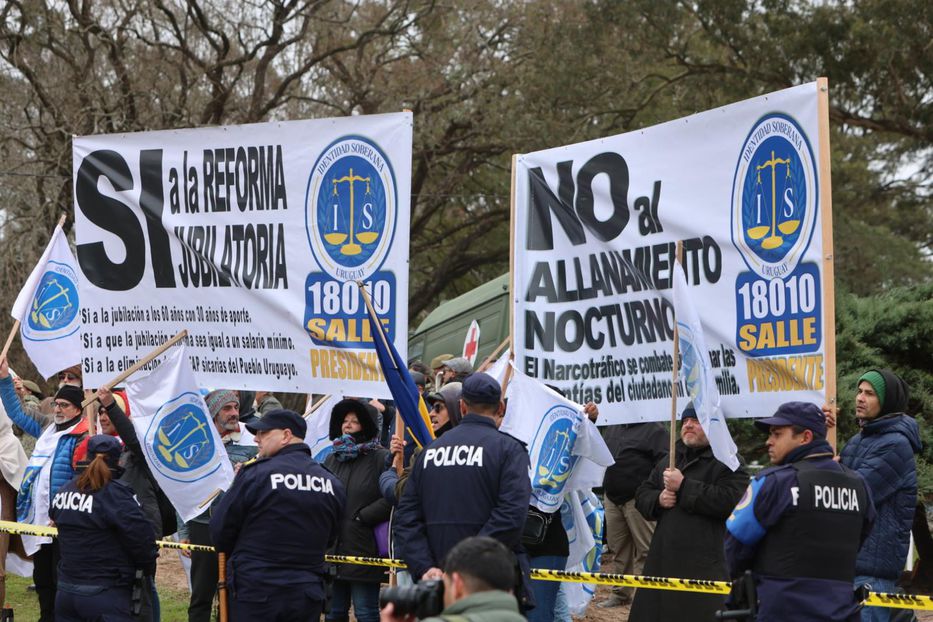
{"type": "Point", "coordinates": [104, 537]}
{"type": "Point", "coordinates": [800, 524]}
{"type": "Point", "coordinates": [473, 481]}
{"type": "Point", "coordinates": [275, 523]}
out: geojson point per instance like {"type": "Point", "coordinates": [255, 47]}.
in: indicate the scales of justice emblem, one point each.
{"type": "Point", "coordinates": [553, 460]}
{"type": "Point", "coordinates": [55, 303]}
{"type": "Point", "coordinates": [774, 196]}
{"type": "Point", "coordinates": [351, 208]}
{"type": "Point", "coordinates": [181, 442]}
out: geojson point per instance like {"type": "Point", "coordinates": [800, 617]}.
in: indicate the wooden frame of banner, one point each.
{"type": "Point", "coordinates": [671, 456]}
{"type": "Point", "coordinates": [511, 304]}
{"type": "Point", "coordinates": [137, 365]}
{"type": "Point", "coordinates": [15, 329]}
{"type": "Point", "coordinates": [829, 291]}
{"type": "Point", "coordinates": [489, 359]}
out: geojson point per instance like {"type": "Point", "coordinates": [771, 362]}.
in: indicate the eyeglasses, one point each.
{"type": "Point", "coordinates": [438, 406]}
{"type": "Point", "coordinates": [67, 375]}
{"type": "Point", "coordinates": [63, 405]}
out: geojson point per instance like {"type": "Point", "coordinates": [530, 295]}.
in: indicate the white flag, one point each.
{"type": "Point", "coordinates": [181, 444]}
{"type": "Point", "coordinates": [48, 309]}
{"type": "Point", "coordinates": [318, 435]}
{"type": "Point", "coordinates": [566, 450]}
{"type": "Point", "coordinates": [698, 374]}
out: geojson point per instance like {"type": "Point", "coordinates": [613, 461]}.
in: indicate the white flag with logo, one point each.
{"type": "Point", "coordinates": [181, 444]}
{"type": "Point", "coordinates": [48, 309]}
{"type": "Point", "coordinates": [566, 450]}
{"type": "Point", "coordinates": [318, 434]}
{"type": "Point", "coordinates": [697, 374]}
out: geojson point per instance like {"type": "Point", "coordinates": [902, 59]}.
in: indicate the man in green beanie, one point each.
{"type": "Point", "coordinates": [883, 454]}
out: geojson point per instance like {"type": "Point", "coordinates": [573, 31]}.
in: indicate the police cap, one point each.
{"type": "Point", "coordinates": [803, 414]}
{"type": "Point", "coordinates": [107, 445]}
{"type": "Point", "coordinates": [280, 419]}
{"type": "Point", "coordinates": [481, 388]}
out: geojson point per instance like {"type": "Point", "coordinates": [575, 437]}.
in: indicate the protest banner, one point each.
{"type": "Point", "coordinates": [594, 228]}
{"type": "Point", "coordinates": [182, 447]}
{"type": "Point", "coordinates": [252, 238]}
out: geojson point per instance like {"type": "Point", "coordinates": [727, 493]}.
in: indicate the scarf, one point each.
{"type": "Point", "coordinates": [346, 447]}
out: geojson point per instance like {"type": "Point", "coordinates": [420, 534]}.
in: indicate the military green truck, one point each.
{"type": "Point", "coordinates": [445, 329]}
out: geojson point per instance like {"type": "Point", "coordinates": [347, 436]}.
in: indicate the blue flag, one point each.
{"type": "Point", "coordinates": [407, 398]}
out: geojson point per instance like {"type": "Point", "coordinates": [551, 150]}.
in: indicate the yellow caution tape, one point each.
{"type": "Point", "coordinates": [874, 599]}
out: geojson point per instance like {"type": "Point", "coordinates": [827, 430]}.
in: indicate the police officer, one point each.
{"type": "Point", "coordinates": [104, 538]}
{"type": "Point", "coordinates": [800, 524]}
{"type": "Point", "coordinates": [473, 481]}
{"type": "Point", "coordinates": [282, 512]}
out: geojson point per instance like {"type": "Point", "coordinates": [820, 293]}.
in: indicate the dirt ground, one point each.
{"type": "Point", "coordinates": [171, 576]}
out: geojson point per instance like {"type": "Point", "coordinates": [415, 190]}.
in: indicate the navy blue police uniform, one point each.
{"type": "Point", "coordinates": [799, 527]}
{"type": "Point", "coordinates": [104, 538]}
{"type": "Point", "coordinates": [275, 523]}
{"type": "Point", "coordinates": [472, 481]}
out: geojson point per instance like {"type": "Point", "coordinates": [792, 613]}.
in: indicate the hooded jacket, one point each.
{"type": "Point", "coordinates": [365, 506]}
{"type": "Point", "coordinates": [883, 454]}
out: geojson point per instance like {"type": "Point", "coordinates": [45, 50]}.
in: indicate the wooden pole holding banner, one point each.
{"type": "Point", "coordinates": [399, 461]}
{"type": "Point", "coordinates": [222, 586]}
{"type": "Point", "coordinates": [495, 353]}
{"type": "Point", "coordinates": [15, 329]}
{"type": "Point", "coordinates": [511, 304]}
{"type": "Point", "coordinates": [671, 457]}
{"type": "Point", "coordinates": [136, 366]}
{"type": "Point", "coordinates": [826, 215]}
{"type": "Point", "coordinates": [310, 410]}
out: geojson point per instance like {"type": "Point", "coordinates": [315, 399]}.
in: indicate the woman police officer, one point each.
{"type": "Point", "coordinates": [104, 538]}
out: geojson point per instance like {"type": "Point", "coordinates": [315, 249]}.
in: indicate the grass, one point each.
{"type": "Point", "coordinates": [25, 604]}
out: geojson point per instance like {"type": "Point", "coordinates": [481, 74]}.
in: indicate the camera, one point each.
{"type": "Point", "coordinates": [421, 600]}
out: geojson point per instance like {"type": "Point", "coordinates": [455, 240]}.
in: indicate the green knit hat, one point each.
{"type": "Point", "coordinates": [876, 380]}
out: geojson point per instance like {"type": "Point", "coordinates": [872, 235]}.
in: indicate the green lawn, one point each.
{"type": "Point", "coordinates": [26, 605]}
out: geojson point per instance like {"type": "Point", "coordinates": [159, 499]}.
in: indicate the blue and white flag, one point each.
{"type": "Point", "coordinates": [48, 309]}
{"type": "Point", "coordinates": [566, 450]}
{"type": "Point", "coordinates": [568, 459]}
{"type": "Point", "coordinates": [585, 522]}
{"type": "Point", "coordinates": [181, 444]}
{"type": "Point", "coordinates": [318, 435]}
{"type": "Point", "coordinates": [697, 374]}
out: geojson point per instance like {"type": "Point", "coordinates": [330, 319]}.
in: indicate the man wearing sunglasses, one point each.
{"type": "Point", "coordinates": [60, 446]}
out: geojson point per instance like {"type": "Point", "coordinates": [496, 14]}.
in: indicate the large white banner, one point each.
{"type": "Point", "coordinates": [251, 237]}
{"type": "Point", "coordinates": [595, 230]}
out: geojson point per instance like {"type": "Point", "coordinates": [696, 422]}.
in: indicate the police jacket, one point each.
{"type": "Point", "coordinates": [276, 521]}
{"type": "Point", "coordinates": [104, 536]}
{"type": "Point", "coordinates": [798, 528]}
{"type": "Point", "coordinates": [471, 481]}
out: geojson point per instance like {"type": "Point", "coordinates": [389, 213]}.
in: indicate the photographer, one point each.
{"type": "Point", "coordinates": [479, 574]}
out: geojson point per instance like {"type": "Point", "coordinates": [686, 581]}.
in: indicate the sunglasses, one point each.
{"type": "Point", "coordinates": [438, 406]}
{"type": "Point", "coordinates": [68, 376]}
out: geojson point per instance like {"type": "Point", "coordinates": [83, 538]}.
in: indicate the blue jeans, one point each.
{"type": "Point", "coordinates": [561, 609]}
{"type": "Point", "coordinates": [876, 614]}
{"type": "Point", "coordinates": [365, 597]}
{"type": "Point", "coordinates": [545, 592]}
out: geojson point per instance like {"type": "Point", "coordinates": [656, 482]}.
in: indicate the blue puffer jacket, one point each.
{"type": "Point", "coordinates": [883, 454]}
{"type": "Point", "coordinates": [71, 448]}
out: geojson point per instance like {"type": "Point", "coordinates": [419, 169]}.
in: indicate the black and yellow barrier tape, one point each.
{"type": "Point", "coordinates": [874, 599]}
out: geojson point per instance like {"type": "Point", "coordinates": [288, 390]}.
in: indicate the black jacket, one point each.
{"type": "Point", "coordinates": [366, 508]}
{"type": "Point", "coordinates": [688, 539]}
{"type": "Point", "coordinates": [275, 523]}
{"type": "Point", "coordinates": [636, 448]}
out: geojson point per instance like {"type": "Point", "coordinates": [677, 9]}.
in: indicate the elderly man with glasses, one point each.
{"type": "Point", "coordinates": [60, 445]}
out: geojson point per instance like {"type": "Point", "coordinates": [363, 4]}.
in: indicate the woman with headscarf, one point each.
{"type": "Point", "coordinates": [358, 459]}
{"type": "Point", "coordinates": [104, 539]}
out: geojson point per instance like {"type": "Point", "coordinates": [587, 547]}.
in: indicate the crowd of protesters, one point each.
{"type": "Point", "coordinates": [685, 517]}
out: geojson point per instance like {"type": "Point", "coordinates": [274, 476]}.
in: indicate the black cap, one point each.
{"type": "Point", "coordinates": [418, 378]}
{"type": "Point", "coordinates": [71, 394]}
{"type": "Point", "coordinates": [689, 412]}
{"type": "Point", "coordinates": [803, 414]}
{"type": "Point", "coordinates": [481, 388]}
{"type": "Point", "coordinates": [107, 445]}
{"type": "Point", "coordinates": [280, 419]}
